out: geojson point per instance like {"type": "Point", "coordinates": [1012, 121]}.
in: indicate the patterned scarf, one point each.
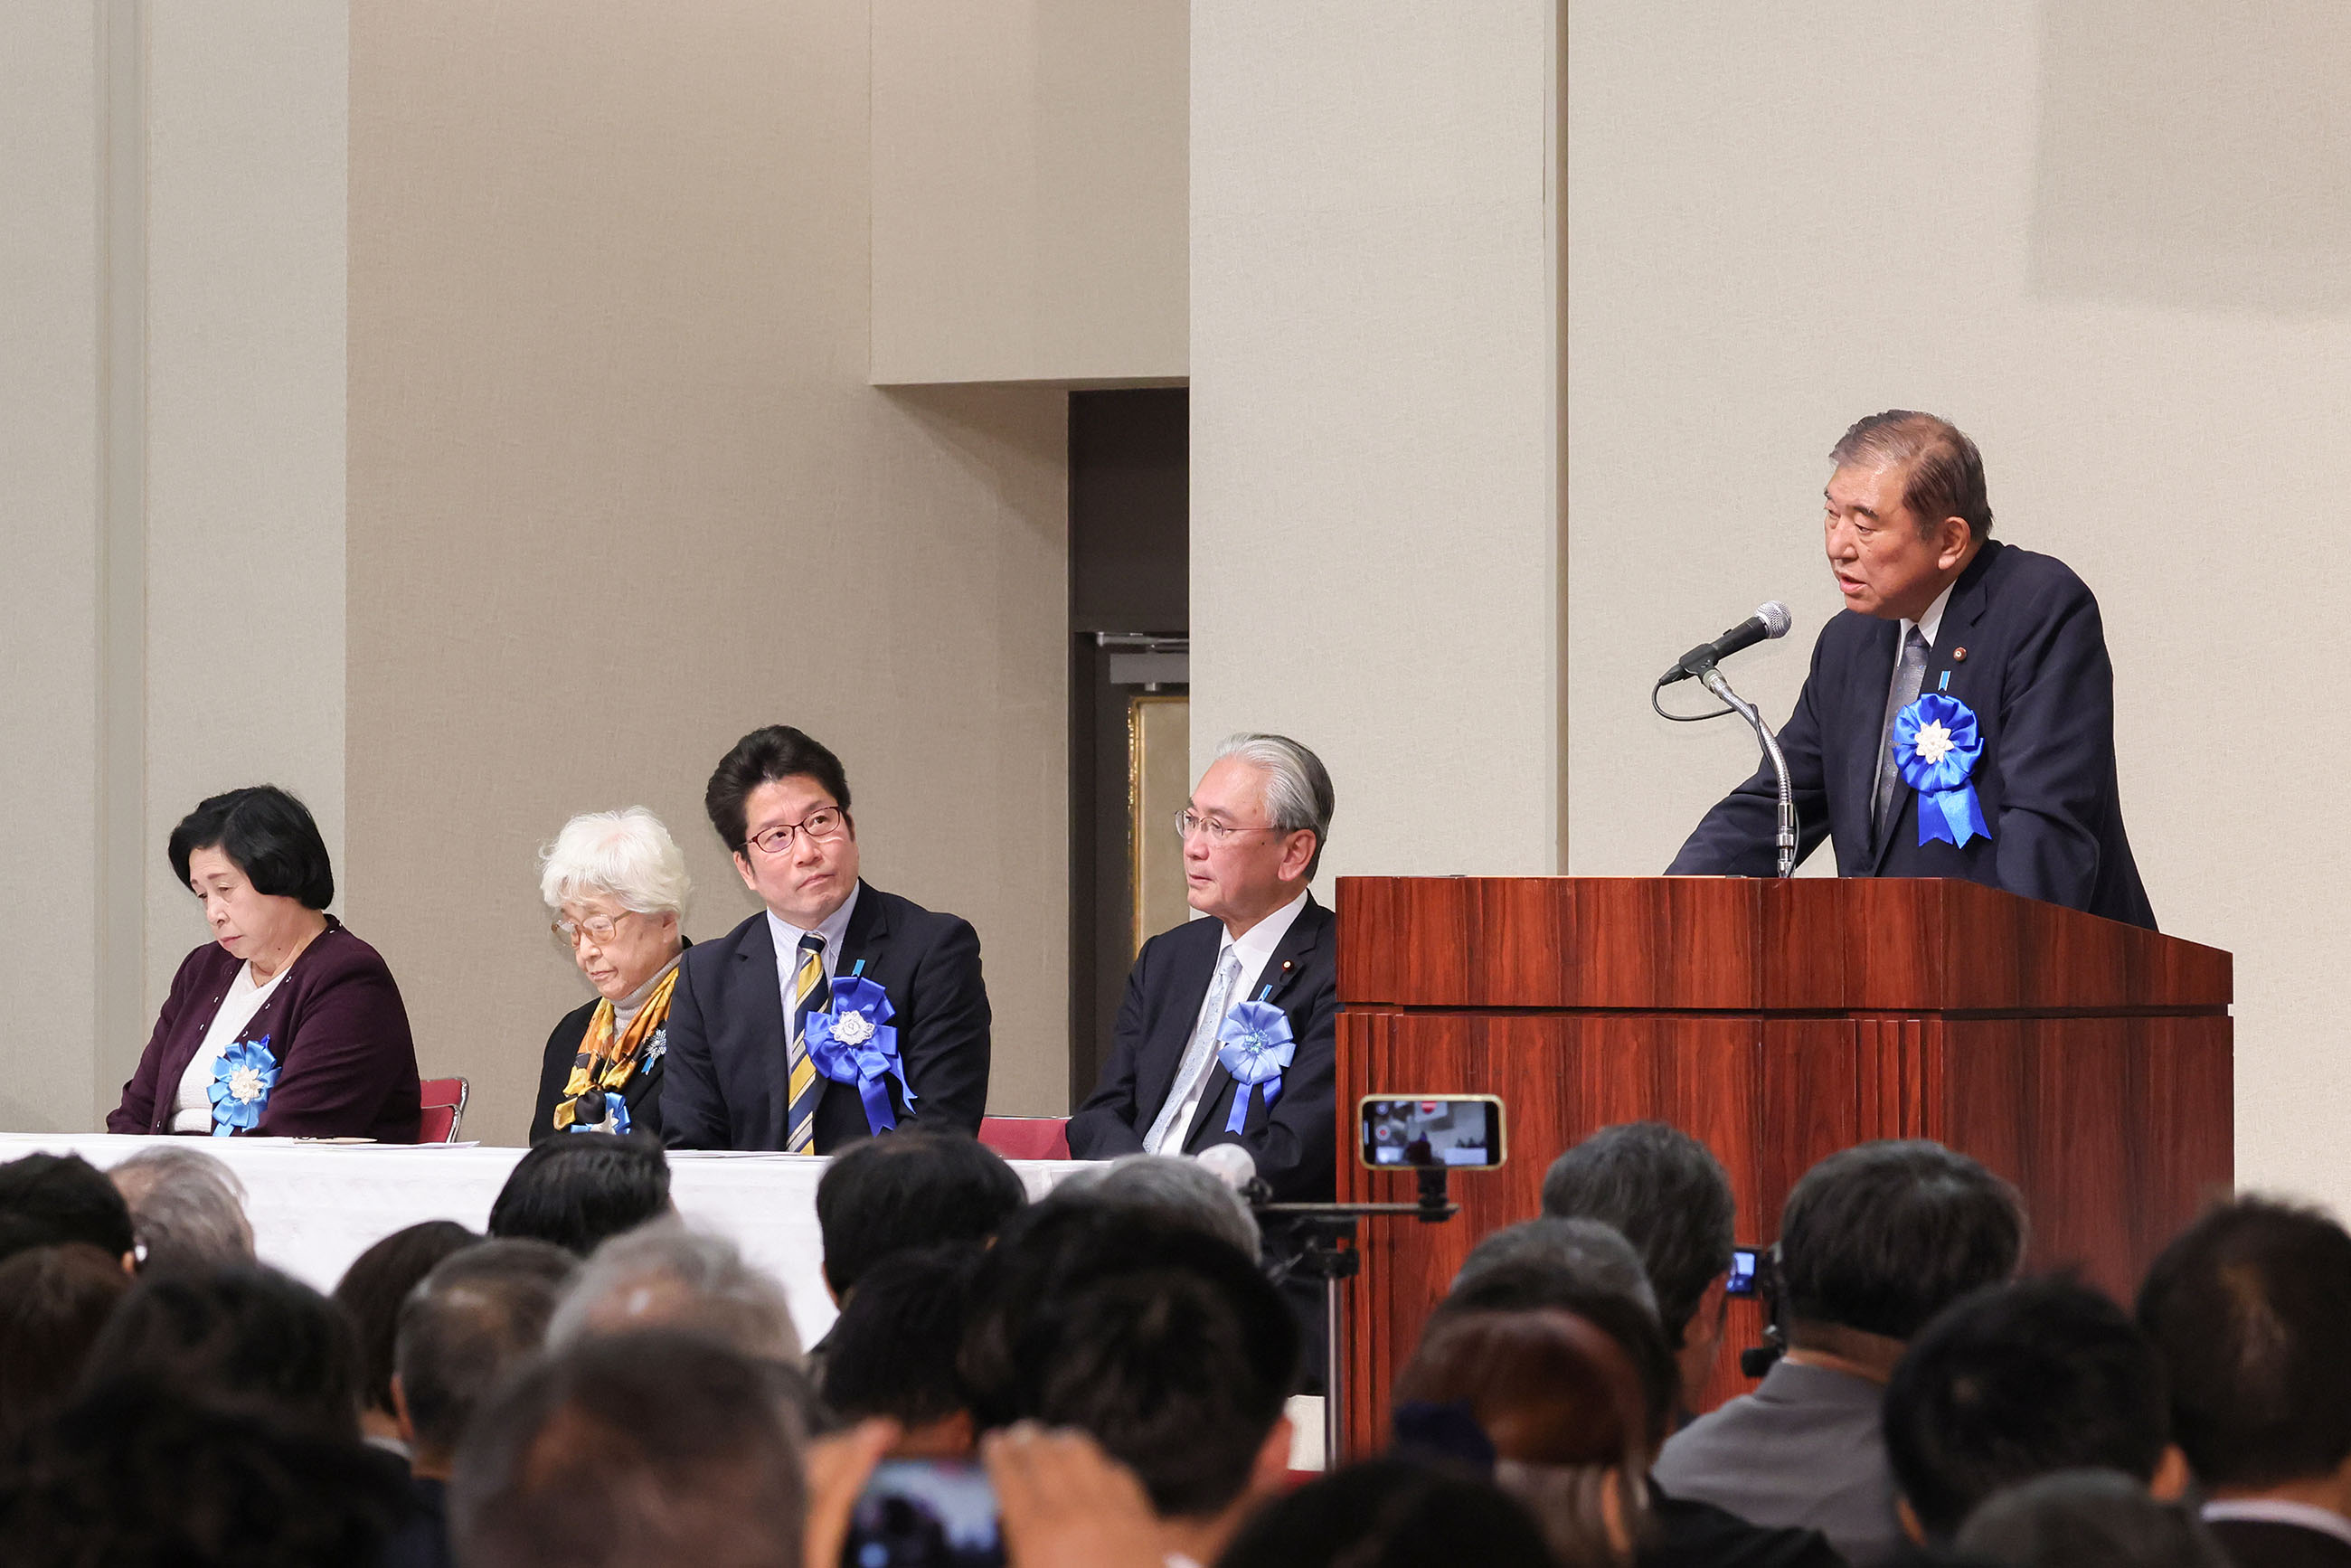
{"type": "Point", "coordinates": [606, 1065]}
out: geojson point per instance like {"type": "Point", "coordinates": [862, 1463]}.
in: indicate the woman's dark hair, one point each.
{"type": "Point", "coordinates": [270, 836]}
{"type": "Point", "coordinates": [1388, 1513]}
{"type": "Point", "coordinates": [378, 1280]}
{"type": "Point", "coordinates": [248, 1338]}
{"type": "Point", "coordinates": [46, 1201]}
{"type": "Point", "coordinates": [53, 1302]}
{"type": "Point", "coordinates": [583, 1189]}
{"type": "Point", "coordinates": [763, 757]}
{"type": "Point", "coordinates": [142, 1472]}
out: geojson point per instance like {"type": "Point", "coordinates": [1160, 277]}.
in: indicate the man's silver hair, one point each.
{"type": "Point", "coordinates": [1599, 1257]}
{"type": "Point", "coordinates": [667, 1275]}
{"type": "Point", "coordinates": [1168, 1187]}
{"type": "Point", "coordinates": [1297, 786]}
{"type": "Point", "coordinates": [627, 855]}
{"type": "Point", "coordinates": [187, 1208]}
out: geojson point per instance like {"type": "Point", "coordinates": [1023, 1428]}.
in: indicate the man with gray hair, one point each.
{"type": "Point", "coordinates": [1228, 1028]}
{"type": "Point", "coordinates": [187, 1209]}
{"type": "Point", "coordinates": [665, 1275]}
{"type": "Point", "coordinates": [1177, 1192]}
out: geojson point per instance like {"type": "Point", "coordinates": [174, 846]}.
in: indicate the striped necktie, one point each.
{"type": "Point", "coordinates": [807, 1087]}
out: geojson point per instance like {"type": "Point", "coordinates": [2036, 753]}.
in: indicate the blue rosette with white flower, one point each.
{"type": "Point", "coordinates": [1937, 745]}
{"type": "Point", "coordinates": [854, 1042]}
{"type": "Point", "coordinates": [1255, 1047]}
{"type": "Point", "coordinates": [243, 1077]}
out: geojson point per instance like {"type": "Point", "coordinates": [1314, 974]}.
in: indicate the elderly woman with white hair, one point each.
{"type": "Point", "coordinates": [616, 883]}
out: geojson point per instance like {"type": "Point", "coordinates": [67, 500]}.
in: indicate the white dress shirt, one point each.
{"type": "Point", "coordinates": [1254, 948]}
{"type": "Point", "coordinates": [1928, 624]}
{"type": "Point", "coordinates": [787, 938]}
{"type": "Point", "coordinates": [2277, 1510]}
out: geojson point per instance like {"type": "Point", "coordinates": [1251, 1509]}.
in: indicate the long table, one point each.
{"type": "Point", "coordinates": [316, 1206]}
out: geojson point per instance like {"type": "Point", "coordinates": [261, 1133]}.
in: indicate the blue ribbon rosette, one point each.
{"type": "Point", "coordinates": [855, 1043]}
{"type": "Point", "coordinates": [243, 1077]}
{"type": "Point", "coordinates": [1257, 1046]}
{"type": "Point", "coordinates": [1937, 744]}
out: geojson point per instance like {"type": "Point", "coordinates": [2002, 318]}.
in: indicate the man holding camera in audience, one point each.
{"type": "Point", "coordinates": [2247, 1308]}
{"type": "Point", "coordinates": [1873, 1242]}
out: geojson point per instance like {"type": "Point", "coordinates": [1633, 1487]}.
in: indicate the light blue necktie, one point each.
{"type": "Point", "coordinates": [1198, 1057]}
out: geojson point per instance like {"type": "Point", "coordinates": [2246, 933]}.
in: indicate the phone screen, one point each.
{"type": "Point", "coordinates": [1433, 1129]}
{"type": "Point", "coordinates": [1742, 1272]}
{"type": "Point", "coordinates": [925, 1513]}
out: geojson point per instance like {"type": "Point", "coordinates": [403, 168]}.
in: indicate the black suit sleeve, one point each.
{"type": "Point", "coordinates": [1740, 837]}
{"type": "Point", "coordinates": [1110, 1123]}
{"type": "Point", "coordinates": [1295, 1147]}
{"type": "Point", "coordinates": [943, 1039]}
{"type": "Point", "coordinates": [693, 1113]}
{"type": "Point", "coordinates": [2056, 749]}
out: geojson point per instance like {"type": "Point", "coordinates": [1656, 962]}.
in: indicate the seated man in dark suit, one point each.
{"type": "Point", "coordinates": [840, 1010]}
{"type": "Point", "coordinates": [1959, 635]}
{"type": "Point", "coordinates": [1873, 1242]}
{"type": "Point", "coordinates": [2247, 1308]}
{"type": "Point", "coordinates": [1256, 987]}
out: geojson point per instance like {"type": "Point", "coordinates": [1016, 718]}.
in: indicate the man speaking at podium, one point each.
{"type": "Point", "coordinates": [1959, 719]}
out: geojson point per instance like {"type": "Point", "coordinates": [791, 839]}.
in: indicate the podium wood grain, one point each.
{"type": "Point", "coordinates": [2087, 1061]}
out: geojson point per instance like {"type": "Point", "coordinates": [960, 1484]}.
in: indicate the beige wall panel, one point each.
{"type": "Point", "coordinates": [621, 492]}
{"type": "Point", "coordinates": [1028, 190]}
{"type": "Point", "coordinates": [2091, 237]}
{"type": "Point", "coordinates": [1375, 415]}
{"type": "Point", "coordinates": [248, 125]}
{"type": "Point", "coordinates": [51, 279]}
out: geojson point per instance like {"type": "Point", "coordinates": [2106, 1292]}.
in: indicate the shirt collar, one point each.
{"type": "Point", "coordinates": [835, 927]}
{"type": "Point", "coordinates": [1257, 944]}
{"type": "Point", "coordinates": [2277, 1510]}
{"type": "Point", "coordinates": [1932, 622]}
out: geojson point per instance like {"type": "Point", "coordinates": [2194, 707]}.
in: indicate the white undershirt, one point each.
{"type": "Point", "coordinates": [2277, 1510]}
{"type": "Point", "coordinates": [193, 1109]}
{"type": "Point", "coordinates": [1254, 948]}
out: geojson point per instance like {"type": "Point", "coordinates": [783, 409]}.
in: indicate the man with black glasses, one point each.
{"type": "Point", "coordinates": [838, 1012]}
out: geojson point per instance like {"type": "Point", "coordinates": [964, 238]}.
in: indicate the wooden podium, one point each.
{"type": "Point", "coordinates": [2086, 1060]}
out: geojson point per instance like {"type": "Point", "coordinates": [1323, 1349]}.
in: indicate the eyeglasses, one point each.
{"type": "Point", "coordinates": [1188, 823]}
{"type": "Point", "coordinates": [598, 928]}
{"type": "Point", "coordinates": [823, 823]}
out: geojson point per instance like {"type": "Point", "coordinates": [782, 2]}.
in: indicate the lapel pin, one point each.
{"type": "Point", "coordinates": [1959, 655]}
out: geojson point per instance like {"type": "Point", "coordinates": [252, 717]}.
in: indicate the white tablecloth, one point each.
{"type": "Point", "coordinates": [316, 1206]}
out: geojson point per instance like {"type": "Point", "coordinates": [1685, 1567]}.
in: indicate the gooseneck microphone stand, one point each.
{"type": "Point", "coordinates": [1712, 678]}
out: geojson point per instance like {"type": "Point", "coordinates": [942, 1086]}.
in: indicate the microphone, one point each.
{"type": "Point", "coordinates": [1772, 621]}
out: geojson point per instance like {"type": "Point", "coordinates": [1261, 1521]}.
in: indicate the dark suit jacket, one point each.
{"type": "Point", "coordinates": [726, 1088]}
{"type": "Point", "coordinates": [1294, 1145]}
{"type": "Point", "coordinates": [421, 1538]}
{"type": "Point", "coordinates": [2035, 670]}
{"type": "Point", "coordinates": [346, 1064]}
{"type": "Point", "coordinates": [1687, 1534]}
{"type": "Point", "coordinates": [2262, 1544]}
{"type": "Point", "coordinates": [642, 1093]}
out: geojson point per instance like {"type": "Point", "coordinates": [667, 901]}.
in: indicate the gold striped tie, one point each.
{"type": "Point", "coordinates": [805, 1087]}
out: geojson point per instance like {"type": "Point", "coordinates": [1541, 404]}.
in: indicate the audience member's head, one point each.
{"type": "Point", "coordinates": [53, 1302]}
{"type": "Point", "coordinates": [2086, 1519]}
{"type": "Point", "coordinates": [1578, 1266]}
{"type": "Point", "coordinates": [475, 1316]}
{"type": "Point", "coordinates": [670, 1276]}
{"type": "Point", "coordinates": [1179, 1191]}
{"type": "Point", "coordinates": [243, 1338]}
{"type": "Point", "coordinates": [1390, 1514]}
{"type": "Point", "coordinates": [1563, 1409]}
{"type": "Point", "coordinates": [1166, 1345]}
{"type": "Point", "coordinates": [371, 1290]}
{"type": "Point", "coordinates": [2017, 1381]}
{"type": "Point", "coordinates": [580, 1190]}
{"type": "Point", "coordinates": [909, 1190]}
{"type": "Point", "coordinates": [1668, 1194]}
{"type": "Point", "coordinates": [46, 1201]}
{"type": "Point", "coordinates": [137, 1471]}
{"type": "Point", "coordinates": [2247, 1308]}
{"type": "Point", "coordinates": [1878, 1239]}
{"type": "Point", "coordinates": [653, 1450]}
{"type": "Point", "coordinates": [187, 1208]}
{"type": "Point", "coordinates": [893, 1351]}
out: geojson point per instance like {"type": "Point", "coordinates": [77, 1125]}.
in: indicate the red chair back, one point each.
{"type": "Point", "coordinates": [1027, 1138]}
{"type": "Point", "coordinates": [444, 1108]}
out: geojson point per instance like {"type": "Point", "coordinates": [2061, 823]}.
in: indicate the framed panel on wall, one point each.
{"type": "Point", "coordinates": [1158, 783]}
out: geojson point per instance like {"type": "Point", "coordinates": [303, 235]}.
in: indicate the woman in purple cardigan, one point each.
{"type": "Point", "coordinates": [286, 1023]}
